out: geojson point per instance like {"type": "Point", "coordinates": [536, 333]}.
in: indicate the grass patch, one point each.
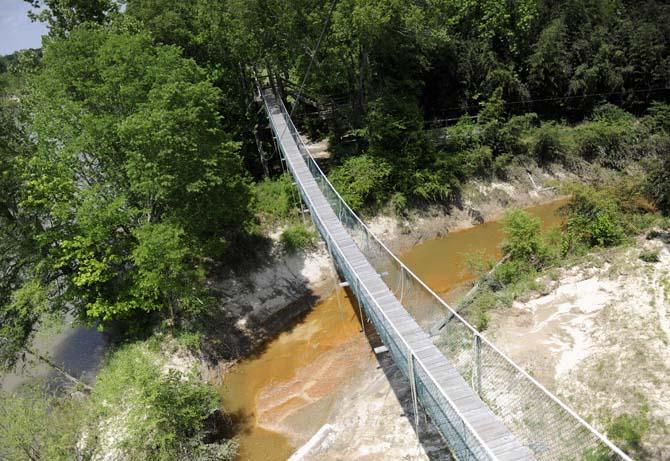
{"type": "Point", "coordinates": [190, 340]}
{"type": "Point", "coordinates": [649, 256]}
{"type": "Point", "coordinates": [628, 430]}
{"type": "Point", "coordinates": [298, 237]}
{"type": "Point", "coordinates": [276, 200]}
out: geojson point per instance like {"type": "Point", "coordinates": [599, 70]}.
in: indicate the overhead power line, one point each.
{"type": "Point", "coordinates": [564, 98]}
{"type": "Point", "coordinates": [316, 50]}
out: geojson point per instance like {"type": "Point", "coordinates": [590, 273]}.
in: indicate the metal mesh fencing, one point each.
{"type": "Point", "coordinates": [538, 419]}
{"type": "Point", "coordinates": [462, 441]}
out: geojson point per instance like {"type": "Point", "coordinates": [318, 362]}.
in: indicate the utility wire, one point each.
{"type": "Point", "coordinates": [311, 61]}
{"type": "Point", "coordinates": [564, 98]}
{"type": "Point", "coordinates": [316, 50]}
{"type": "Point", "coordinates": [336, 108]}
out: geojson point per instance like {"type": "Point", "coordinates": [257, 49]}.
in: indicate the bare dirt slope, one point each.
{"type": "Point", "coordinates": [599, 336]}
{"type": "Point", "coordinates": [374, 420]}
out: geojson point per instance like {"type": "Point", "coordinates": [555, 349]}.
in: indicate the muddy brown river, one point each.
{"type": "Point", "coordinates": [288, 390]}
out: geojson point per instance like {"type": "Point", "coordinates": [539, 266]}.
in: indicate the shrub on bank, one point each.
{"type": "Point", "coordinates": [523, 239]}
{"type": "Point", "coordinates": [137, 410]}
{"type": "Point", "coordinates": [593, 218]}
{"type": "Point", "coordinates": [154, 414]}
{"type": "Point", "coordinates": [659, 117]}
{"type": "Point", "coordinates": [297, 237]}
{"type": "Point", "coordinates": [361, 180]}
{"type": "Point", "coordinates": [276, 199]}
{"type": "Point", "coordinates": [548, 145]}
{"type": "Point", "coordinates": [658, 186]}
{"type": "Point", "coordinates": [612, 138]}
{"type": "Point", "coordinates": [649, 256]}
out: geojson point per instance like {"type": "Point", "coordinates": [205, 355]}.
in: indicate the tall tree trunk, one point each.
{"type": "Point", "coordinates": [349, 63]}
{"type": "Point", "coordinates": [363, 69]}
{"type": "Point", "coordinates": [273, 83]}
{"type": "Point", "coordinates": [283, 77]}
{"type": "Point", "coordinates": [362, 81]}
{"type": "Point", "coordinates": [244, 81]}
{"type": "Point", "coordinates": [261, 153]}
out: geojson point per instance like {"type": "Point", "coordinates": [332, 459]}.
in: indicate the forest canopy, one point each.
{"type": "Point", "coordinates": [136, 160]}
{"type": "Point", "coordinates": [131, 140]}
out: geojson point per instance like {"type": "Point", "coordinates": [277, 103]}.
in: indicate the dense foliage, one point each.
{"type": "Point", "coordinates": [136, 408]}
{"type": "Point", "coordinates": [134, 158]}
{"type": "Point", "coordinates": [35, 425]}
{"type": "Point", "coordinates": [388, 70]}
{"type": "Point", "coordinates": [128, 157]}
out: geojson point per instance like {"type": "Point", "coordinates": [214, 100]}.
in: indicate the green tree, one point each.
{"type": "Point", "coordinates": [64, 15]}
{"type": "Point", "coordinates": [361, 181]}
{"type": "Point", "coordinates": [22, 295]}
{"type": "Point", "coordinates": [593, 217]}
{"type": "Point", "coordinates": [523, 240]}
{"type": "Point", "coordinates": [659, 183]}
{"type": "Point", "coordinates": [171, 23]}
{"type": "Point", "coordinates": [548, 146]}
{"type": "Point", "coordinates": [166, 275]}
{"type": "Point", "coordinates": [131, 167]}
{"type": "Point", "coordinates": [35, 425]}
{"type": "Point", "coordinates": [212, 33]}
{"type": "Point", "coordinates": [550, 66]}
{"type": "Point", "coordinates": [19, 317]}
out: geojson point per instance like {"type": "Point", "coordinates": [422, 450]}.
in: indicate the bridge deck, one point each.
{"type": "Point", "coordinates": [495, 439]}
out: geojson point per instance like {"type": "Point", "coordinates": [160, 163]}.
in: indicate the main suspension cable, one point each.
{"type": "Point", "coordinates": [311, 61]}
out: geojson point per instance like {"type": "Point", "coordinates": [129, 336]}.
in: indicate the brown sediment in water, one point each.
{"type": "Point", "coordinates": [285, 393]}
{"type": "Point", "coordinates": [298, 369]}
{"type": "Point", "coordinates": [443, 262]}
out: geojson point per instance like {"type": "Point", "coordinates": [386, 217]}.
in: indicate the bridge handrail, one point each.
{"type": "Point", "coordinates": [388, 320]}
{"type": "Point", "coordinates": [305, 151]}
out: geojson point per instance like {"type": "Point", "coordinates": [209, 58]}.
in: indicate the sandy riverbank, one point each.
{"type": "Point", "coordinates": [598, 335]}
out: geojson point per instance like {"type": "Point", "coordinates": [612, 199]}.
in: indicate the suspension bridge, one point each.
{"type": "Point", "coordinates": [484, 405]}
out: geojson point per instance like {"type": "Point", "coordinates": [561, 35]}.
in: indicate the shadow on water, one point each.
{"type": "Point", "coordinates": [225, 339]}
{"type": "Point", "coordinates": [79, 350]}
{"type": "Point", "coordinates": [257, 335]}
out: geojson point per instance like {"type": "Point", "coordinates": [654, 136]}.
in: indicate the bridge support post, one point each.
{"type": "Point", "coordinates": [412, 386]}
{"type": "Point", "coordinates": [358, 301]}
{"type": "Point", "coordinates": [477, 371]}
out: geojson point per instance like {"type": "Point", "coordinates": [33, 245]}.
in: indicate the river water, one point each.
{"type": "Point", "coordinates": [77, 349]}
{"type": "Point", "coordinates": [289, 387]}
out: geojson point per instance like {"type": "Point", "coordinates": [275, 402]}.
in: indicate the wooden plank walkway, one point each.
{"type": "Point", "coordinates": [488, 438]}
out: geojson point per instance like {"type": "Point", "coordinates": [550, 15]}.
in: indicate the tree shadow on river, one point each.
{"type": "Point", "coordinates": [258, 300]}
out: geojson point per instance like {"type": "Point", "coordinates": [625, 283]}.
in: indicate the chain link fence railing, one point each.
{"type": "Point", "coordinates": [538, 419]}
